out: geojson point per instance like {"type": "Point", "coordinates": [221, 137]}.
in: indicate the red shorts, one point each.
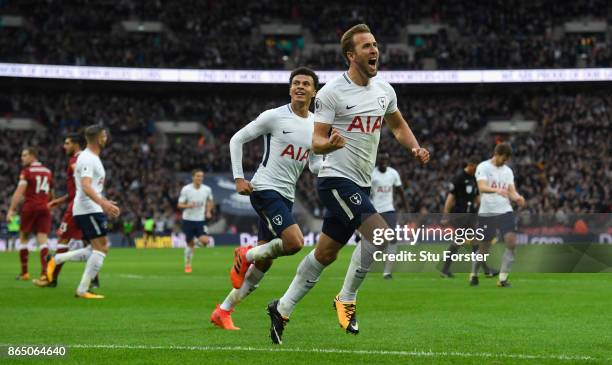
{"type": "Point", "coordinates": [68, 229]}
{"type": "Point", "coordinates": [38, 221]}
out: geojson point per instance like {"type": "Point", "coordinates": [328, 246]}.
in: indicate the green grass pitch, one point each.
{"type": "Point", "coordinates": [155, 314]}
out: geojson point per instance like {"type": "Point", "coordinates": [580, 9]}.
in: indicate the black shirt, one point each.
{"type": "Point", "coordinates": [465, 189]}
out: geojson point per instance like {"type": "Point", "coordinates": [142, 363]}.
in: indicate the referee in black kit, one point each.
{"type": "Point", "coordinates": [462, 200]}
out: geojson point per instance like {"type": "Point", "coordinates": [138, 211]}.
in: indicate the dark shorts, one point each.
{"type": "Point", "coordinates": [390, 217]}
{"type": "Point", "coordinates": [463, 220]}
{"type": "Point", "coordinates": [497, 224]}
{"type": "Point", "coordinates": [191, 229]}
{"type": "Point", "coordinates": [347, 203]}
{"type": "Point", "coordinates": [274, 211]}
{"type": "Point", "coordinates": [93, 225]}
{"type": "Point", "coordinates": [38, 221]}
{"type": "Point", "coordinates": [69, 229]}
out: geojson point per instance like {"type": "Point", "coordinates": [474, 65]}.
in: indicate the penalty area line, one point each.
{"type": "Point", "coordinates": [401, 353]}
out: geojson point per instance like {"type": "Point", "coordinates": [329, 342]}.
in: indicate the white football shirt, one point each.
{"type": "Point", "coordinates": [358, 113]}
{"type": "Point", "coordinates": [382, 189]}
{"type": "Point", "coordinates": [287, 142]}
{"type": "Point", "coordinates": [496, 177]}
{"type": "Point", "coordinates": [199, 196]}
{"type": "Point", "coordinates": [88, 165]}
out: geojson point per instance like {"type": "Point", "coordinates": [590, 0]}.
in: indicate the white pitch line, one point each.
{"type": "Point", "coordinates": [414, 353]}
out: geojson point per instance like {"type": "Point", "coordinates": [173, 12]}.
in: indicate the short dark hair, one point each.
{"type": "Point", "coordinates": [92, 132]}
{"type": "Point", "coordinates": [472, 160]}
{"type": "Point", "coordinates": [503, 149]}
{"type": "Point", "coordinates": [307, 72]}
{"type": "Point", "coordinates": [195, 171]}
{"type": "Point", "coordinates": [32, 151]}
{"type": "Point", "coordinates": [76, 138]}
{"type": "Point", "coordinates": [347, 43]}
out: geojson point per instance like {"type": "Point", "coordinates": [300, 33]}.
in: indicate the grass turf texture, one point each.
{"type": "Point", "coordinates": [156, 314]}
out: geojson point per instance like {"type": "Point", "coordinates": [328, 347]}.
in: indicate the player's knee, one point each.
{"type": "Point", "coordinates": [294, 245]}
{"type": "Point", "coordinates": [325, 257]}
{"type": "Point", "coordinates": [510, 239]}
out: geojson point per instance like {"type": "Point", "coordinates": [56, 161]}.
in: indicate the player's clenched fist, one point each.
{"type": "Point", "coordinates": [243, 187]}
{"type": "Point", "coordinates": [422, 154]}
{"type": "Point", "coordinates": [336, 139]}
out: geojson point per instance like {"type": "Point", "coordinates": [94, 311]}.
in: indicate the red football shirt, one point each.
{"type": "Point", "coordinates": [40, 182]}
{"type": "Point", "coordinates": [70, 183]}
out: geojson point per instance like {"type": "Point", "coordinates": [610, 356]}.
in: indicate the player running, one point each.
{"type": "Point", "coordinates": [36, 184]}
{"type": "Point", "coordinates": [196, 201]}
{"type": "Point", "coordinates": [462, 204]}
{"type": "Point", "coordinates": [88, 211]}
{"type": "Point", "coordinates": [68, 229]}
{"type": "Point", "coordinates": [287, 132]}
{"type": "Point", "coordinates": [496, 185]}
{"type": "Point", "coordinates": [386, 182]}
{"type": "Point", "coordinates": [349, 114]}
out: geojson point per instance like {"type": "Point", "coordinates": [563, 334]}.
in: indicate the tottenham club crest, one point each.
{"type": "Point", "coordinates": [278, 219]}
{"type": "Point", "coordinates": [382, 101]}
{"type": "Point", "coordinates": [317, 104]}
{"type": "Point", "coordinates": [355, 199]}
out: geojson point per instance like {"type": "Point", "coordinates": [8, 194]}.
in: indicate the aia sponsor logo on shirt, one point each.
{"type": "Point", "coordinates": [498, 185]}
{"type": "Point", "coordinates": [383, 189]}
{"type": "Point", "coordinates": [365, 124]}
{"type": "Point", "coordinates": [299, 154]}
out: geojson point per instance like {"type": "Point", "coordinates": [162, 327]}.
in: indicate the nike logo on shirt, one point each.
{"type": "Point", "coordinates": [351, 107]}
{"type": "Point", "coordinates": [285, 132]}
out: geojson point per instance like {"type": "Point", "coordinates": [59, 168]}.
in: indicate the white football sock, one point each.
{"type": "Point", "coordinates": [361, 261]}
{"type": "Point", "coordinates": [251, 281]}
{"type": "Point", "coordinates": [391, 250]}
{"type": "Point", "coordinates": [93, 266]}
{"type": "Point", "coordinates": [269, 250]}
{"type": "Point", "coordinates": [506, 265]}
{"type": "Point", "coordinates": [188, 255]}
{"type": "Point", "coordinates": [308, 273]}
{"type": "Point", "coordinates": [82, 254]}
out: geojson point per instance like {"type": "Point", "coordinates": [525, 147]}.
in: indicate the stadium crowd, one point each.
{"type": "Point", "coordinates": [224, 34]}
{"type": "Point", "coordinates": [564, 167]}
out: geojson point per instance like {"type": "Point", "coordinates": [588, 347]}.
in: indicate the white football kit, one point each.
{"type": "Point", "coordinates": [287, 142]}
{"type": "Point", "coordinates": [88, 165]}
{"type": "Point", "coordinates": [496, 177]}
{"type": "Point", "coordinates": [357, 112]}
{"type": "Point", "coordinates": [200, 196]}
{"type": "Point", "coordinates": [382, 189]}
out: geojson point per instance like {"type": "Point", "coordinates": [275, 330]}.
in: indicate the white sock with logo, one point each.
{"type": "Point", "coordinates": [307, 275]}
{"type": "Point", "coordinates": [361, 261]}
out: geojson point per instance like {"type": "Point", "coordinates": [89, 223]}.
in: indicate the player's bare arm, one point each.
{"type": "Point", "coordinates": [108, 206]}
{"type": "Point", "coordinates": [16, 199]}
{"type": "Point", "coordinates": [399, 190]}
{"type": "Point", "coordinates": [405, 137]}
{"type": "Point", "coordinates": [321, 143]}
{"type": "Point", "coordinates": [58, 201]}
{"type": "Point", "coordinates": [515, 196]}
{"type": "Point", "coordinates": [209, 208]}
{"type": "Point", "coordinates": [484, 188]}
